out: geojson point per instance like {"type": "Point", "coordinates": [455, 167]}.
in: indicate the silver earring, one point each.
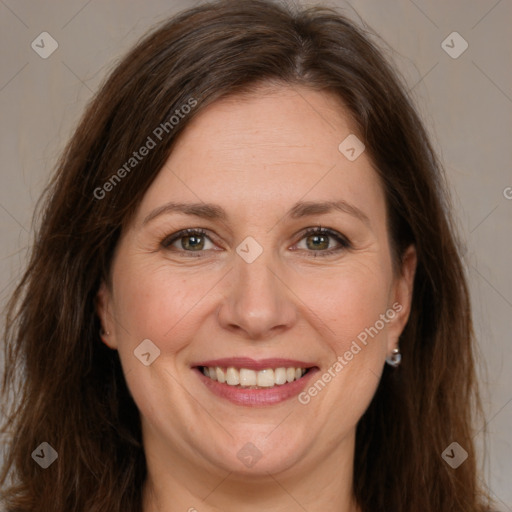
{"type": "Point", "coordinates": [395, 358]}
{"type": "Point", "coordinates": [103, 333]}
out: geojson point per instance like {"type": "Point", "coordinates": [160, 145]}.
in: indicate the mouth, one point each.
{"type": "Point", "coordinates": [251, 379]}
{"type": "Point", "coordinates": [248, 382]}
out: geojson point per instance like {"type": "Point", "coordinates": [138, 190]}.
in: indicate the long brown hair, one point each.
{"type": "Point", "coordinates": [68, 389]}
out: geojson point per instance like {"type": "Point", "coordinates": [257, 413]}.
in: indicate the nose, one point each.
{"type": "Point", "coordinates": [258, 303]}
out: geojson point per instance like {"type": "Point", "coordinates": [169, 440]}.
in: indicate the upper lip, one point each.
{"type": "Point", "coordinates": [252, 364]}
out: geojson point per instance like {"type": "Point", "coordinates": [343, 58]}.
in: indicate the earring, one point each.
{"type": "Point", "coordinates": [395, 358]}
{"type": "Point", "coordinates": [103, 333]}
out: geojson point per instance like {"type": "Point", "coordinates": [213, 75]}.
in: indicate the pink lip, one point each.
{"type": "Point", "coordinates": [251, 364]}
{"type": "Point", "coordinates": [256, 397]}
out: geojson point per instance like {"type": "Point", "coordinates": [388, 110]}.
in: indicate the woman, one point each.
{"type": "Point", "coordinates": [247, 225]}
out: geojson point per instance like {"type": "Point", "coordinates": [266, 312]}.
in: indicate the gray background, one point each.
{"type": "Point", "coordinates": [466, 104]}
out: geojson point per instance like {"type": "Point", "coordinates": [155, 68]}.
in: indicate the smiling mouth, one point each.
{"type": "Point", "coordinates": [245, 378]}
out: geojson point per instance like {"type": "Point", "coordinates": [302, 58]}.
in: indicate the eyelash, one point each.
{"type": "Point", "coordinates": [343, 242]}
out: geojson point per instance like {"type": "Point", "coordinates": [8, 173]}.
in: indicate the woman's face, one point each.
{"type": "Point", "coordinates": [259, 289]}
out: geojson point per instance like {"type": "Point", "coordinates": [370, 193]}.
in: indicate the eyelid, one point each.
{"type": "Point", "coordinates": [168, 240]}
{"type": "Point", "coordinates": [313, 230]}
{"type": "Point", "coordinates": [343, 241]}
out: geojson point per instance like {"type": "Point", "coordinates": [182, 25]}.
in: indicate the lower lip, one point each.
{"type": "Point", "coordinates": [257, 397]}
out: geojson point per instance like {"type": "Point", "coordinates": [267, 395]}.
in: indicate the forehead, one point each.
{"type": "Point", "coordinates": [271, 148]}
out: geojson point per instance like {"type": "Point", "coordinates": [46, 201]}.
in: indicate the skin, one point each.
{"type": "Point", "coordinates": [255, 157]}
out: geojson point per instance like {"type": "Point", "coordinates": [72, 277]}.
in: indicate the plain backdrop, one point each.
{"type": "Point", "coordinates": [466, 103]}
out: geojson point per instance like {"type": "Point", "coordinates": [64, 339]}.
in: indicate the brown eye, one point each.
{"type": "Point", "coordinates": [190, 240]}
{"type": "Point", "coordinates": [317, 242]}
{"type": "Point", "coordinates": [322, 241]}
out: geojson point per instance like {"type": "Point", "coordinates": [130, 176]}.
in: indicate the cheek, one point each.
{"type": "Point", "coordinates": [352, 304]}
{"type": "Point", "coordinates": [346, 301]}
{"type": "Point", "coordinates": [159, 304]}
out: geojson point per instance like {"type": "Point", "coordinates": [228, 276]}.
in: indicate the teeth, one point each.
{"type": "Point", "coordinates": [246, 378]}
{"type": "Point", "coordinates": [266, 378]}
{"type": "Point", "coordinates": [280, 375]}
{"type": "Point", "coordinates": [221, 376]}
{"type": "Point", "coordinates": [232, 377]}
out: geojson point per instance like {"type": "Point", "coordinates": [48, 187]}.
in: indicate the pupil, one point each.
{"type": "Point", "coordinates": [320, 241]}
{"type": "Point", "coordinates": [192, 242]}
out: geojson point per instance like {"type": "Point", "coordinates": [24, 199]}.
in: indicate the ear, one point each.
{"type": "Point", "coordinates": [401, 296]}
{"type": "Point", "coordinates": [104, 312]}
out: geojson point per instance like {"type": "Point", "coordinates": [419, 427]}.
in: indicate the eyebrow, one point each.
{"type": "Point", "coordinates": [298, 210]}
{"type": "Point", "coordinates": [308, 208]}
{"type": "Point", "coordinates": [203, 210]}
